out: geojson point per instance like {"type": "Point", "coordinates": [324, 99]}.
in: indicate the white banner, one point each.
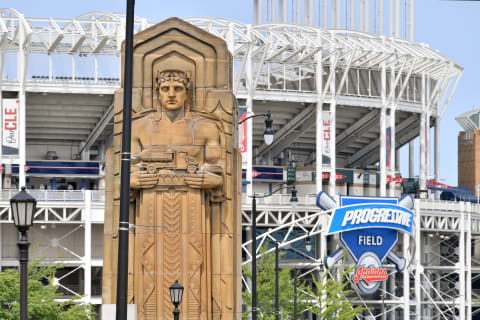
{"type": "Point", "coordinates": [327, 136]}
{"type": "Point", "coordinates": [10, 125]}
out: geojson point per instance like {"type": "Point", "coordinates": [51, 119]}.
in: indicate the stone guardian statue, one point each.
{"type": "Point", "coordinates": [185, 178]}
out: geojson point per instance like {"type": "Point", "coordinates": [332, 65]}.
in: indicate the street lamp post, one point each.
{"type": "Point", "coordinates": [277, 293]}
{"type": "Point", "coordinates": [176, 294]}
{"type": "Point", "coordinates": [293, 201]}
{"type": "Point", "coordinates": [269, 132]}
{"type": "Point", "coordinates": [23, 207]}
{"type": "Point", "coordinates": [123, 228]}
{"type": "Point", "coordinates": [295, 295]}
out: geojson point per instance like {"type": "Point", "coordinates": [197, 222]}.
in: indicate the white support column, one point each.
{"type": "Point", "coordinates": [397, 18]}
{"type": "Point", "coordinates": [283, 11]}
{"type": "Point", "coordinates": [333, 124]}
{"type": "Point", "coordinates": [333, 14]}
{"type": "Point", "coordinates": [381, 18]}
{"type": "Point", "coordinates": [417, 264]}
{"type": "Point", "coordinates": [298, 12]}
{"type": "Point", "coordinates": [336, 14]}
{"type": "Point", "coordinates": [339, 13]}
{"type": "Point", "coordinates": [319, 123]}
{"type": "Point", "coordinates": [21, 75]}
{"type": "Point", "coordinates": [422, 176]}
{"type": "Point", "coordinates": [391, 19]}
{"type": "Point", "coordinates": [468, 261]}
{"type": "Point", "coordinates": [411, 161]}
{"type": "Point", "coordinates": [87, 267]}
{"type": "Point", "coordinates": [427, 147]}
{"type": "Point", "coordinates": [361, 9]}
{"type": "Point", "coordinates": [324, 22]}
{"type": "Point", "coordinates": [391, 152]}
{"type": "Point", "coordinates": [406, 280]}
{"type": "Point", "coordinates": [249, 105]}
{"type": "Point", "coordinates": [273, 11]}
{"type": "Point", "coordinates": [461, 261]}
{"type": "Point", "coordinates": [383, 134]}
{"type": "Point", "coordinates": [411, 20]}
{"type": "Point", "coordinates": [367, 22]}
{"type": "Point", "coordinates": [437, 154]}
{"type": "Point", "coordinates": [309, 16]}
{"type": "Point", "coordinates": [352, 25]}
{"type": "Point", "coordinates": [428, 113]}
{"type": "Point", "coordinates": [258, 11]}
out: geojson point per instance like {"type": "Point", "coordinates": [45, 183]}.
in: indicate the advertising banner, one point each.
{"type": "Point", "coordinates": [10, 128]}
{"type": "Point", "coordinates": [273, 174]}
{"type": "Point", "coordinates": [242, 130]}
{"type": "Point", "coordinates": [389, 144]}
{"type": "Point", "coordinates": [327, 135]}
{"type": "Point", "coordinates": [368, 229]}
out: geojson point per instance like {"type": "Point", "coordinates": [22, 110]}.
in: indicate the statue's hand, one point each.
{"type": "Point", "coordinates": [143, 180]}
{"type": "Point", "coordinates": [203, 180]}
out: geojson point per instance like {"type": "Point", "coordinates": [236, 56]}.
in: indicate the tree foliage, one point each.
{"type": "Point", "coordinates": [331, 298]}
{"type": "Point", "coordinates": [266, 289]}
{"type": "Point", "coordinates": [41, 297]}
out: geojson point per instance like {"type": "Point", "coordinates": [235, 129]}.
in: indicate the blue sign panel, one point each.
{"type": "Point", "coordinates": [369, 215]}
{"type": "Point", "coordinates": [379, 241]}
{"type": "Point", "coordinates": [60, 167]}
{"type": "Point", "coordinates": [265, 173]}
{"type": "Point", "coordinates": [368, 228]}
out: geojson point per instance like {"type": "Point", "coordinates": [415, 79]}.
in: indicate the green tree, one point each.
{"type": "Point", "coordinates": [41, 303]}
{"type": "Point", "coordinates": [266, 289]}
{"type": "Point", "coordinates": [337, 300]}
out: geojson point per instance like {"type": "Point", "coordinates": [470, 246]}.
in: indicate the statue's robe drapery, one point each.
{"type": "Point", "coordinates": [177, 247]}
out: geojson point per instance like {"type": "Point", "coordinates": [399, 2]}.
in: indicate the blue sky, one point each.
{"type": "Point", "coordinates": [449, 27]}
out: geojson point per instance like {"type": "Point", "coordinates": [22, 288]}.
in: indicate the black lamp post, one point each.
{"type": "Point", "coordinates": [176, 293]}
{"type": "Point", "coordinates": [23, 207]}
{"type": "Point", "coordinates": [295, 295]}
{"type": "Point", "coordinates": [269, 132]}
{"type": "Point", "coordinates": [123, 228]}
{"type": "Point", "coordinates": [308, 243]}
{"type": "Point", "coordinates": [294, 201]}
{"type": "Point", "coordinates": [277, 291]}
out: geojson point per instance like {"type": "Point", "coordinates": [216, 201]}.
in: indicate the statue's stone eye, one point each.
{"type": "Point", "coordinates": [178, 89]}
{"type": "Point", "coordinates": [164, 89]}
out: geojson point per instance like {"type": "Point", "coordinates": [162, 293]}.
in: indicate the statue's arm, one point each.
{"type": "Point", "coordinates": [210, 174]}
{"type": "Point", "coordinates": [139, 179]}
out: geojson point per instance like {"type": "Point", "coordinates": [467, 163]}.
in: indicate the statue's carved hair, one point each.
{"type": "Point", "coordinates": [173, 75]}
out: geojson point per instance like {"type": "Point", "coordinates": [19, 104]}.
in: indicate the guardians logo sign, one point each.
{"type": "Point", "coordinates": [368, 229]}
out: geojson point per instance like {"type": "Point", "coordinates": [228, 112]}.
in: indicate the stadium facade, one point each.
{"type": "Point", "coordinates": [347, 88]}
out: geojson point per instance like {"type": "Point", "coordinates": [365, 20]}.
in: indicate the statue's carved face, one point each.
{"type": "Point", "coordinates": [173, 95]}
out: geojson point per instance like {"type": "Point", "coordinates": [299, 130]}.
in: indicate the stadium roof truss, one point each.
{"type": "Point", "coordinates": [272, 62]}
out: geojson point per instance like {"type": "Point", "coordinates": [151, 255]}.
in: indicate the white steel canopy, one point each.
{"type": "Point", "coordinates": [285, 67]}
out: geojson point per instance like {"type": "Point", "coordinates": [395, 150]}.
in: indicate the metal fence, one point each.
{"type": "Point", "coordinates": [56, 195]}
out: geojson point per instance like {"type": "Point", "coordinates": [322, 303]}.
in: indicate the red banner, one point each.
{"type": "Point", "coordinates": [436, 184]}
{"type": "Point", "coordinates": [338, 176]}
{"type": "Point", "coordinates": [396, 180]}
{"type": "Point", "coordinates": [242, 134]}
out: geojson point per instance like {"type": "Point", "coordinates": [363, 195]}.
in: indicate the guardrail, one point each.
{"type": "Point", "coordinates": [443, 205]}
{"type": "Point", "coordinates": [56, 195]}
{"type": "Point", "coordinates": [281, 200]}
